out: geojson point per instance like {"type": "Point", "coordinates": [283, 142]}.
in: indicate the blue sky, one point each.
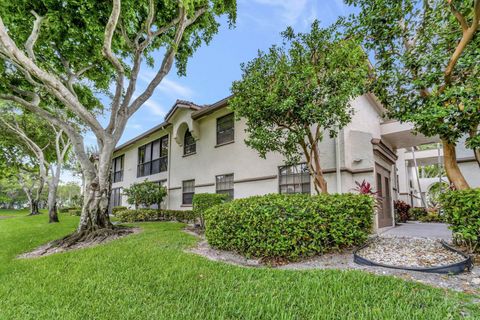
{"type": "Point", "coordinates": [213, 68]}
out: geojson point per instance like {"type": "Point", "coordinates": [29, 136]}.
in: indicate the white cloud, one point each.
{"type": "Point", "coordinates": [172, 88]}
{"type": "Point", "coordinates": [155, 108]}
{"type": "Point", "coordinates": [175, 88]}
{"type": "Point", "coordinates": [135, 126]}
{"type": "Point", "coordinates": [289, 10]}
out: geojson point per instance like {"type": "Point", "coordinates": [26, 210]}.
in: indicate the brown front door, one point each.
{"type": "Point", "coordinates": [385, 218]}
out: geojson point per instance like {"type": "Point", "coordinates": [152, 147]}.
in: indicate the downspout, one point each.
{"type": "Point", "coordinates": [338, 164]}
{"type": "Point", "coordinates": [169, 168]}
{"type": "Point", "coordinates": [439, 165]}
{"type": "Point", "coordinates": [417, 173]}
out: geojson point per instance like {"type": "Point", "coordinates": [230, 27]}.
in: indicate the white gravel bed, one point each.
{"type": "Point", "coordinates": [466, 282]}
{"type": "Point", "coordinates": [409, 252]}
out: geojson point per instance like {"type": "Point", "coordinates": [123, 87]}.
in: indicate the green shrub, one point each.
{"type": "Point", "coordinates": [462, 212]}
{"type": "Point", "coordinates": [75, 211]}
{"type": "Point", "coordinates": [177, 215]}
{"type": "Point", "coordinates": [204, 201]}
{"type": "Point", "coordinates": [417, 213]}
{"type": "Point", "coordinates": [68, 209]}
{"type": "Point", "coordinates": [117, 209]}
{"type": "Point", "coordinates": [138, 215]}
{"type": "Point", "coordinates": [145, 194]}
{"type": "Point", "coordinates": [431, 215]}
{"type": "Point", "coordinates": [290, 226]}
{"type": "Point", "coordinates": [142, 215]}
{"type": "Point", "coordinates": [64, 210]}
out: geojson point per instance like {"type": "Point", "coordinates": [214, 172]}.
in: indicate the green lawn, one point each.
{"type": "Point", "coordinates": [148, 276]}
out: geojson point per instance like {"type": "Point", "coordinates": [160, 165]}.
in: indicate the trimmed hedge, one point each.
{"type": "Point", "coordinates": [290, 226]}
{"type": "Point", "coordinates": [431, 215]}
{"type": "Point", "coordinates": [117, 209]}
{"type": "Point", "coordinates": [204, 201]}
{"type": "Point", "coordinates": [67, 209]}
{"type": "Point", "coordinates": [73, 211]}
{"type": "Point", "coordinates": [462, 212]}
{"type": "Point", "coordinates": [142, 215]}
{"type": "Point", "coordinates": [417, 213]}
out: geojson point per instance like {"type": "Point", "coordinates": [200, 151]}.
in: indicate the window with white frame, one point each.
{"type": "Point", "coordinates": [294, 179]}
{"type": "Point", "coordinates": [188, 190]}
{"type": "Point", "coordinates": [224, 184]}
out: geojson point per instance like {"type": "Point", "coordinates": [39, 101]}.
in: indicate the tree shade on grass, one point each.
{"type": "Point", "coordinates": [148, 276]}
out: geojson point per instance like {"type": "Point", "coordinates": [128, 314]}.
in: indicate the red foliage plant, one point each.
{"type": "Point", "coordinates": [364, 187]}
{"type": "Point", "coordinates": [402, 209]}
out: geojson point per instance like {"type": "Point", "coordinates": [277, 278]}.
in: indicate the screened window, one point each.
{"type": "Point", "coordinates": [188, 190]}
{"type": "Point", "coordinates": [153, 157]}
{"type": "Point", "coordinates": [294, 179]}
{"type": "Point", "coordinates": [225, 184]}
{"type": "Point", "coordinates": [189, 144]}
{"type": "Point", "coordinates": [225, 129]}
{"type": "Point", "coordinates": [117, 169]}
{"type": "Point", "coordinates": [116, 197]}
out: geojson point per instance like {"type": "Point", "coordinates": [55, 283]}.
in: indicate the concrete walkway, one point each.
{"type": "Point", "coordinates": [421, 230]}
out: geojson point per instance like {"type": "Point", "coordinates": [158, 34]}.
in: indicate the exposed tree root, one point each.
{"type": "Point", "coordinates": [98, 236]}
{"type": "Point", "coordinates": [83, 239]}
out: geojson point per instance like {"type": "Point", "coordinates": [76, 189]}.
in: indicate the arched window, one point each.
{"type": "Point", "coordinates": [189, 144]}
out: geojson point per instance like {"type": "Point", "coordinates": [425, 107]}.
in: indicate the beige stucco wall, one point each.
{"type": "Point", "coordinates": [252, 174]}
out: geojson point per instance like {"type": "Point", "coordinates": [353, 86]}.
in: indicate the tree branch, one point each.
{"type": "Point", "coordinates": [35, 148]}
{"type": "Point", "coordinates": [107, 52]}
{"type": "Point", "coordinates": [467, 37]}
{"type": "Point", "coordinates": [183, 23]}
{"type": "Point", "coordinates": [51, 83]}
{"type": "Point", "coordinates": [460, 18]}
{"type": "Point", "coordinates": [32, 39]}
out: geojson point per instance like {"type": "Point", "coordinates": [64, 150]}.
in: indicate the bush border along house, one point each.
{"type": "Point", "coordinates": [290, 226]}
{"type": "Point", "coordinates": [204, 201]}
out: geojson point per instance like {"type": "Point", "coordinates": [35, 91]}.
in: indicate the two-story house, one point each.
{"type": "Point", "coordinates": [201, 149]}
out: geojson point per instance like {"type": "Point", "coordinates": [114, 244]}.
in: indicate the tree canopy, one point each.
{"type": "Point", "coordinates": [294, 94]}
{"type": "Point", "coordinates": [69, 60]}
{"type": "Point", "coordinates": [427, 68]}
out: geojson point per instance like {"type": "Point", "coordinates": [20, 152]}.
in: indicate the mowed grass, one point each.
{"type": "Point", "coordinates": [149, 276]}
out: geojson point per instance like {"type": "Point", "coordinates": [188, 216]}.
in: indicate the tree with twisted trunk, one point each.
{"type": "Point", "coordinates": [18, 165]}
{"type": "Point", "coordinates": [74, 52]}
{"type": "Point", "coordinates": [427, 67]}
{"type": "Point", "coordinates": [35, 135]}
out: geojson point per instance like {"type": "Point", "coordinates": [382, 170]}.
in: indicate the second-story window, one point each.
{"type": "Point", "coordinates": [153, 157]}
{"type": "Point", "coordinates": [225, 129]}
{"type": "Point", "coordinates": [189, 144]}
{"type": "Point", "coordinates": [117, 169]}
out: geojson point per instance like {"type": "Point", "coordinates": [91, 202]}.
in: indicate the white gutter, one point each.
{"type": "Point", "coordinates": [338, 164]}
{"type": "Point", "coordinates": [169, 163]}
